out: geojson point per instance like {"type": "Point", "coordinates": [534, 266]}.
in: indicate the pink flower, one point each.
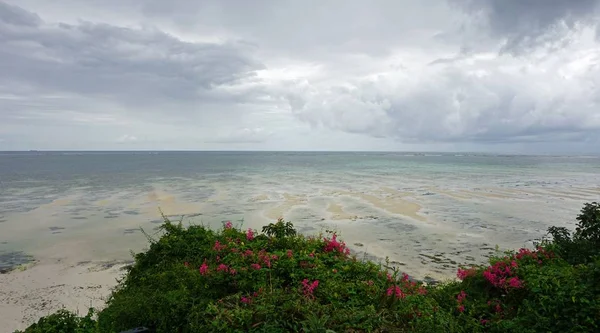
{"type": "Point", "coordinates": [228, 225]}
{"type": "Point", "coordinates": [312, 255]}
{"type": "Point", "coordinates": [461, 308]}
{"type": "Point", "coordinates": [309, 288]}
{"type": "Point", "coordinates": [255, 266]}
{"type": "Point", "coordinates": [248, 253]}
{"type": "Point", "coordinates": [332, 245]}
{"type": "Point", "coordinates": [484, 321]}
{"type": "Point", "coordinates": [249, 234]}
{"type": "Point", "coordinates": [389, 277]}
{"type": "Point", "coordinates": [422, 291]}
{"type": "Point", "coordinates": [462, 274]}
{"type": "Point", "coordinates": [396, 291]}
{"type": "Point", "coordinates": [203, 269]}
{"type": "Point", "coordinates": [246, 300]}
{"type": "Point", "coordinates": [461, 296]}
{"type": "Point", "coordinates": [222, 268]}
{"type": "Point", "coordinates": [232, 271]}
{"type": "Point", "coordinates": [405, 277]}
{"type": "Point", "coordinates": [390, 291]}
{"type": "Point", "coordinates": [370, 282]}
{"type": "Point", "coordinates": [218, 246]}
{"type": "Point", "coordinates": [289, 253]}
{"type": "Point", "coordinates": [515, 282]}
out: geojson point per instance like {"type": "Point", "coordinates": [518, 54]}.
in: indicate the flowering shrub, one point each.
{"type": "Point", "coordinates": [201, 280]}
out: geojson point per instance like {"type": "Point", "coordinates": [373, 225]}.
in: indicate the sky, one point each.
{"type": "Point", "coordinates": [520, 76]}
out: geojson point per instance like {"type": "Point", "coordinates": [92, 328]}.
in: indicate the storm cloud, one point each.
{"type": "Point", "coordinates": [382, 75]}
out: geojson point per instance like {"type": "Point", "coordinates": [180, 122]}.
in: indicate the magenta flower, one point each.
{"type": "Point", "coordinates": [245, 300]}
{"type": "Point", "coordinates": [309, 288]}
{"type": "Point", "coordinates": [255, 266]}
{"type": "Point", "coordinates": [461, 296]}
{"type": "Point", "coordinates": [232, 271]}
{"type": "Point", "coordinates": [218, 246]}
{"type": "Point", "coordinates": [228, 225]}
{"type": "Point", "coordinates": [222, 268]}
{"type": "Point", "coordinates": [289, 253]}
{"type": "Point", "coordinates": [462, 274]}
{"type": "Point", "coordinates": [515, 283]}
{"type": "Point", "coordinates": [461, 308]}
{"type": "Point", "coordinates": [396, 291]}
{"type": "Point", "coordinates": [249, 234]}
{"type": "Point", "coordinates": [332, 245]}
{"type": "Point", "coordinates": [203, 269]}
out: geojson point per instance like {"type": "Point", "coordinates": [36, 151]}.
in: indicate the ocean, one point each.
{"type": "Point", "coordinates": [427, 213]}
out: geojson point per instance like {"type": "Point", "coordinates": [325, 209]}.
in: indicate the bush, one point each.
{"type": "Point", "coordinates": [199, 280]}
{"type": "Point", "coordinates": [584, 245]}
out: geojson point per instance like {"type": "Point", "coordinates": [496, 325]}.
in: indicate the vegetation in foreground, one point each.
{"type": "Point", "coordinates": [199, 280]}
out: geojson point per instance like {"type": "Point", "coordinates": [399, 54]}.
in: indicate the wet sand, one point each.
{"type": "Point", "coordinates": [424, 229]}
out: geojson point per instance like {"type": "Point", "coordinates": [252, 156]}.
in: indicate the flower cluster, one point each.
{"type": "Point", "coordinates": [465, 273]}
{"type": "Point", "coordinates": [332, 245]}
{"type": "Point", "coordinates": [228, 225]}
{"type": "Point", "coordinates": [460, 298]}
{"type": "Point", "coordinates": [405, 287]}
{"type": "Point", "coordinates": [502, 275]}
{"type": "Point", "coordinates": [219, 247]}
{"type": "Point", "coordinates": [249, 234]}
{"type": "Point", "coordinates": [308, 288]}
{"type": "Point", "coordinates": [266, 258]}
{"type": "Point", "coordinates": [396, 291]}
{"type": "Point", "coordinates": [537, 255]}
{"type": "Point", "coordinates": [203, 268]}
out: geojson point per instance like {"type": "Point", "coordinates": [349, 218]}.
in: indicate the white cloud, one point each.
{"type": "Point", "coordinates": [127, 138]}
{"type": "Point", "coordinates": [337, 74]}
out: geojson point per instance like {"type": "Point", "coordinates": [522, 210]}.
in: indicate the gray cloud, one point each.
{"type": "Point", "coordinates": [299, 75]}
{"type": "Point", "coordinates": [470, 99]}
{"type": "Point", "coordinates": [135, 67]}
{"type": "Point", "coordinates": [528, 23]}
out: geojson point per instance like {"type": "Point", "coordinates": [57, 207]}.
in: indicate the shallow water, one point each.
{"type": "Point", "coordinates": [427, 213]}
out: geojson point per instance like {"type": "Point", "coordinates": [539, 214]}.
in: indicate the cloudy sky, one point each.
{"type": "Point", "coordinates": [442, 75]}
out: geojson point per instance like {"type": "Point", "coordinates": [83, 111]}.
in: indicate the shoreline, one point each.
{"type": "Point", "coordinates": [31, 291]}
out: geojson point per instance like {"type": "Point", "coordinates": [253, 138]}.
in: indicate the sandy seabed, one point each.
{"type": "Point", "coordinates": [80, 244]}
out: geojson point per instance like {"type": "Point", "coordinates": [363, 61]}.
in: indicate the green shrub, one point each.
{"type": "Point", "coordinates": [64, 321]}
{"type": "Point", "coordinates": [199, 280]}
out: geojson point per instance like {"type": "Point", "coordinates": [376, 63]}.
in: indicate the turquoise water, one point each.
{"type": "Point", "coordinates": [426, 212]}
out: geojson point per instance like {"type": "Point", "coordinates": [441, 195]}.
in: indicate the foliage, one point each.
{"type": "Point", "coordinates": [64, 321]}
{"type": "Point", "coordinates": [199, 280]}
{"type": "Point", "coordinates": [583, 246]}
